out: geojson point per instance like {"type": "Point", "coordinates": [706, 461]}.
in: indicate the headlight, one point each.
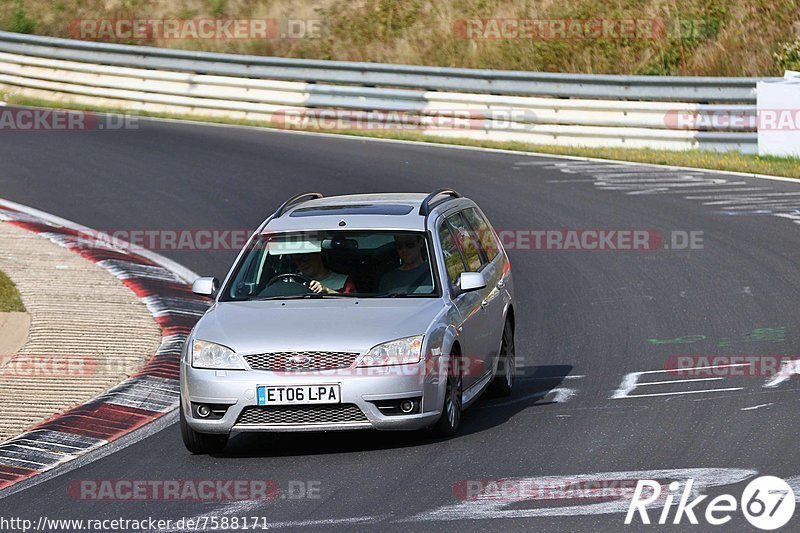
{"type": "Point", "coordinates": [397, 352]}
{"type": "Point", "coordinates": [209, 355]}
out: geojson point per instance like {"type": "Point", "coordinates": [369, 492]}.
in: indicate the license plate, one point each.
{"type": "Point", "coordinates": [298, 394]}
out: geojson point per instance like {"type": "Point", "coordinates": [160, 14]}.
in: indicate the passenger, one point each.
{"type": "Point", "coordinates": [414, 273]}
{"type": "Point", "coordinates": [323, 279]}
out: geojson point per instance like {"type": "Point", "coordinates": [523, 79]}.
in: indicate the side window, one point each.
{"type": "Point", "coordinates": [467, 242]}
{"type": "Point", "coordinates": [453, 261]}
{"type": "Point", "coordinates": [484, 231]}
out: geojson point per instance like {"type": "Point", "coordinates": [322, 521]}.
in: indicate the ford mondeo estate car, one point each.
{"type": "Point", "coordinates": [384, 311]}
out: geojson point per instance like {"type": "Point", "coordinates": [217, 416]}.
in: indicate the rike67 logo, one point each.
{"type": "Point", "coordinates": [767, 502]}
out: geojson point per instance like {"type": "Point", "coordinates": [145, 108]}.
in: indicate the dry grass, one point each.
{"type": "Point", "coordinates": [712, 37]}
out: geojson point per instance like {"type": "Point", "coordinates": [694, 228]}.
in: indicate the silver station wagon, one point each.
{"type": "Point", "coordinates": [384, 311]}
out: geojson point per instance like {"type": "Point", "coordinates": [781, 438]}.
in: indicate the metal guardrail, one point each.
{"type": "Point", "coordinates": [501, 82]}
{"type": "Point", "coordinates": [257, 88]}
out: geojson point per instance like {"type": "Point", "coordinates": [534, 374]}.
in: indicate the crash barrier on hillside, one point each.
{"type": "Point", "coordinates": [678, 113]}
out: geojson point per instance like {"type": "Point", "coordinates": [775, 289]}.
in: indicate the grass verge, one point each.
{"type": "Point", "coordinates": [9, 296]}
{"type": "Point", "coordinates": [728, 161]}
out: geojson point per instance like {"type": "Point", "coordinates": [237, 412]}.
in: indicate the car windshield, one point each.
{"type": "Point", "coordinates": [333, 264]}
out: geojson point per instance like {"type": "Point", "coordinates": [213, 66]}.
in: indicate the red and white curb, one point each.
{"type": "Point", "coordinates": [153, 391]}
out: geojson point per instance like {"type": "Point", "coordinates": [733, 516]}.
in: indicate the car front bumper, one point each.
{"type": "Point", "coordinates": [359, 388]}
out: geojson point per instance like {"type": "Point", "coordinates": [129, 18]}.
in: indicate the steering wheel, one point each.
{"type": "Point", "coordinates": [290, 278]}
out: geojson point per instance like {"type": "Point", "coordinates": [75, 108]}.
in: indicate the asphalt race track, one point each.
{"type": "Point", "coordinates": [586, 321]}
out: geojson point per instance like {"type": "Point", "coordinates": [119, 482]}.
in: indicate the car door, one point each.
{"type": "Point", "coordinates": [468, 305]}
{"type": "Point", "coordinates": [489, 297]}
{"type": "Point", "coordinates": [493, 272]}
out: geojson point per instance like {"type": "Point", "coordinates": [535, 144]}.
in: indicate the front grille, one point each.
{"type": "Point", "coordinates": [301, 414]}
{"type": "Point", "coordinates": [288, 361]}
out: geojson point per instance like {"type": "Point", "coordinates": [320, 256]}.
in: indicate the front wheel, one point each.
{"type": "Point", "coordinates": [201, 443]}
{"type": "Point", "coordinates": [504, 380]}
{"type": "Point", "coordinates": [450, 418]}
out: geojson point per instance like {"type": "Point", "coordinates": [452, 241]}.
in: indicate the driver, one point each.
{"type": "Point", "coordinates": [323, 279]}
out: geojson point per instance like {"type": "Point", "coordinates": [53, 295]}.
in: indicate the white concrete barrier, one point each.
{"type": "Point", "coordinates": [138, 78]}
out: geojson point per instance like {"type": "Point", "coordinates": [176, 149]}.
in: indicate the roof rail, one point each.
{"type": "Point", "coordinates": [428, 204]}
{"type": "Point", "coordinates": [296, 199]}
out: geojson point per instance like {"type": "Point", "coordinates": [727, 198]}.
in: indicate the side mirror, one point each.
{"type": "Point", "coordinates": [206, 286]}
{"type": "Point", "coordinates": [470, 281]}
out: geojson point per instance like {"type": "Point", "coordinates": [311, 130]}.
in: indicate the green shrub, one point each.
{"type": "Point", "coordinates": [20, 22]}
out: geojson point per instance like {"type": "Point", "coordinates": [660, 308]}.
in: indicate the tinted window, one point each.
{"type": "Point", "coordinates": [485, 233]}
{"type": "Point", "coordinates": [467, 242]}
{"type": "Point", "coordinates": [452, 257]}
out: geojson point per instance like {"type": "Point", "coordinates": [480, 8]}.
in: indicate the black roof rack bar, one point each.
{"type": "Point", "coordinates": [296, 199]}
{"type": "Point", "coordinates": [428, 204]}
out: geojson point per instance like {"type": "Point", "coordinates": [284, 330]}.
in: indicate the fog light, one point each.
{"type": "Point", "coordinates": [203, 411]}
{"type": "Point", "coordinates": [399, 406]}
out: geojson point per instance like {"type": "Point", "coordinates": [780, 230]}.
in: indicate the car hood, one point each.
{"type": "Point", "coordinates": [345, 324]}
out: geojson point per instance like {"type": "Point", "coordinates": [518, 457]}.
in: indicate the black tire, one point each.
{"type": "Point", "coordinates": [503, 382]}
{"type": "Point", "coordinates": [452, 409]}
{"type": "Point", "coordinates": [201, 443]}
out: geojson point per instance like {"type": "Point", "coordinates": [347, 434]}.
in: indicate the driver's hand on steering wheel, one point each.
{"type": "Point", "coordinates": [319, 288]}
